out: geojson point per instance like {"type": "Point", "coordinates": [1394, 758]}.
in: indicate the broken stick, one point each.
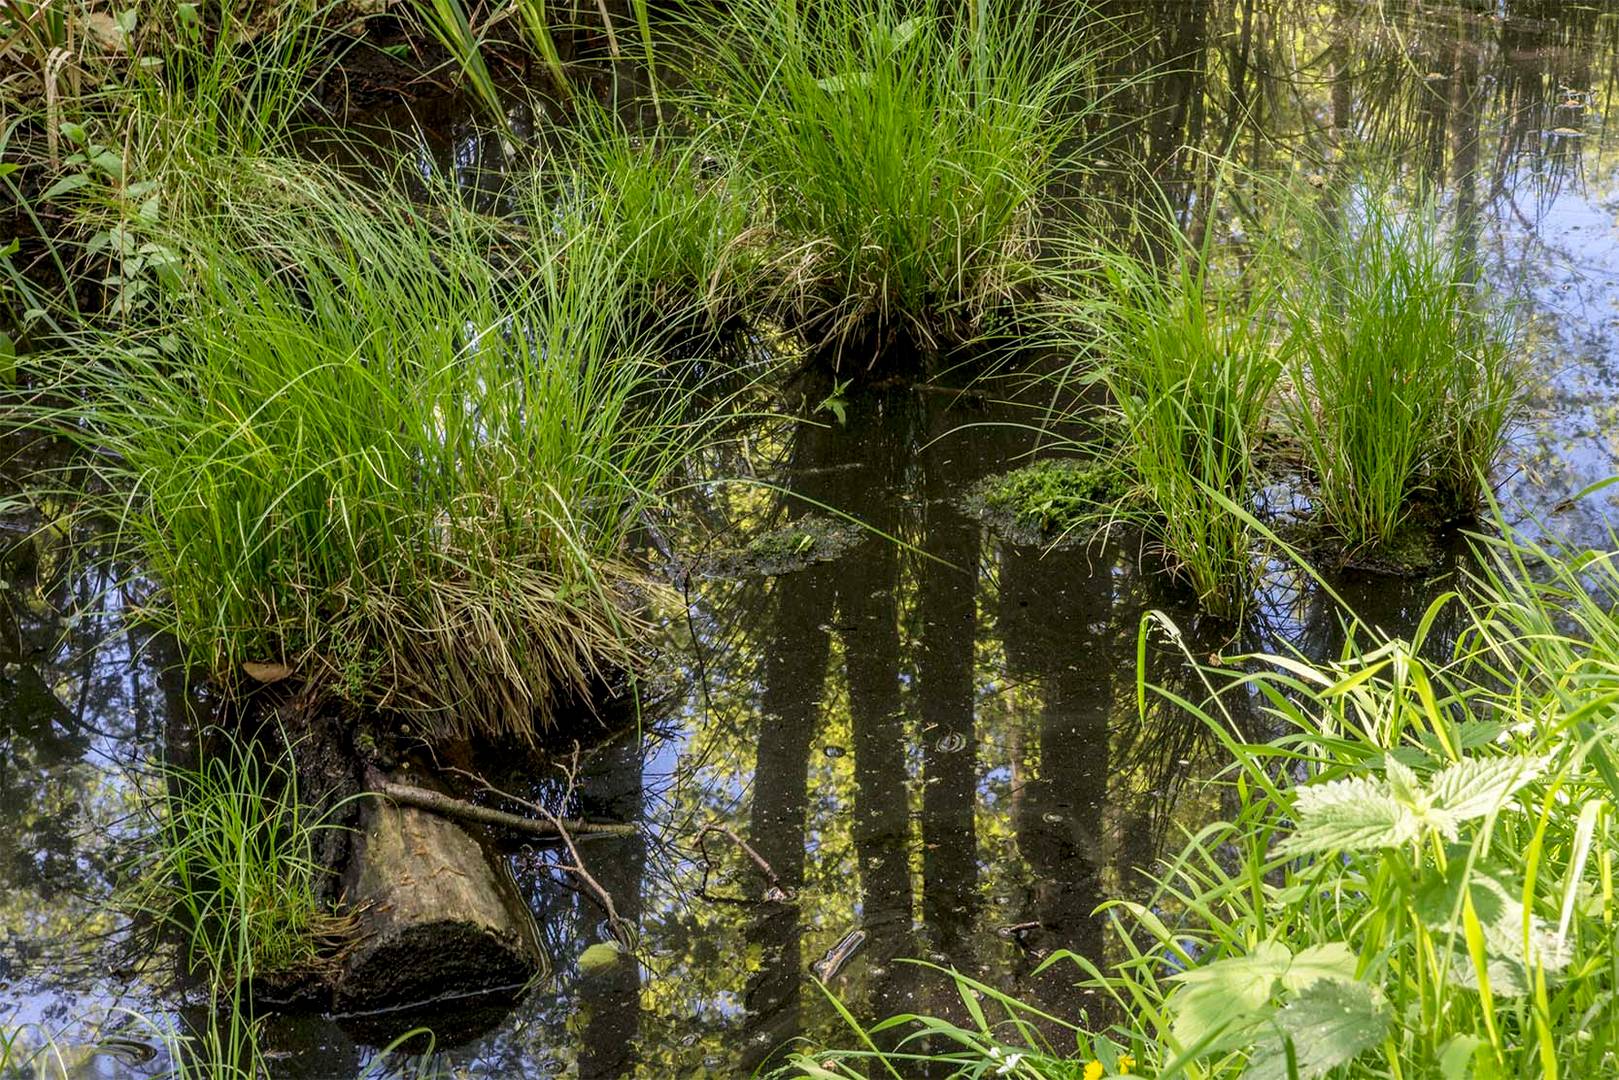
{"type": "Point", "coordinates": [446, 806]}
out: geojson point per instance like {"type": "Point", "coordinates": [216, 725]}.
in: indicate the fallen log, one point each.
{"type": "Point", "coordinates": [438, 915]}
{"type": "Point", "coordinates": [445, 806]}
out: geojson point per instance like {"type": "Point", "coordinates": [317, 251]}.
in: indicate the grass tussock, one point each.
{"type": "Point", "coordinates": [680, 217]}
{"type": "Point", "coordinates": [1190, 368]}
{"type": "Point", "coordinates": [903, 151]}
{"type": "Point", "coordinates": [232, 869]}
{"type": "Point", "coordinates": [1416, 879]}
{"type": "Point", "coordinates": [354, 447]}
{"type": "Point", "coordinates": [1405, 382]}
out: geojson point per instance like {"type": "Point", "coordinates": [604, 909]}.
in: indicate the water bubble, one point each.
{"type": "Point", "coordinates": [833, 751]}
{"type": "Point", "coordinates": [1053, 819]}
{"type": "Point", "coordinates": [951, 743]}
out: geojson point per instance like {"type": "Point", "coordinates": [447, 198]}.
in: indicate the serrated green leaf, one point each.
{"type": "Point", "coordinates": [1334, 960]}
{"type": "Point", "coordinates": [1357, 814]}
{"type": "Point", "coordinates": [1227, 996]}
{"type": "Point", "coordinates": [1509, 966]}
{"type": "Point", "coordinates": [1330, 1023]}
{"type": "Point", "coordinates": [1403, 782]}
{"type": "Point", "coordinates": [1475, 787]}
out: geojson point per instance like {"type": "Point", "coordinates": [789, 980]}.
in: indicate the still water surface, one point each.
{"type": "Point", "coordinates": [935, 748]}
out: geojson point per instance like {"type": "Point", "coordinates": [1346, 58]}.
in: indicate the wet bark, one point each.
{"type": "Point", "coordinates": [438, 917]}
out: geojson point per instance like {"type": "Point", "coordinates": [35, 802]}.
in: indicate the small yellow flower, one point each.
{"type": "Point", "coordinates": [1095, 1070]}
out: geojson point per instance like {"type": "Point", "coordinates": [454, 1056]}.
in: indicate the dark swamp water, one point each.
{"type": "Point", "coordinates": [935, 748]}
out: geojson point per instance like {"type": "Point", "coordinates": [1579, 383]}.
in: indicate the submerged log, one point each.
{"type": "Point", "coordinates": [439, 918]}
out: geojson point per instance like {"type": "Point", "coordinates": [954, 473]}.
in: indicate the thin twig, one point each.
{"type": "Point", "coordinates": [777, 892]}
{"type": "Point", "coordinates": [565, 830]}
{"type": "Point", "coordinates": [553, 828]}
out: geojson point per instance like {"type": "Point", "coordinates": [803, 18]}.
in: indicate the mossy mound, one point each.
{"type": "Point", "coordinates": [813, 538]}
{"type": "Point", "coordinates": [1415, 549]}
{"type": "Point", "coordinates": [1051, 500]}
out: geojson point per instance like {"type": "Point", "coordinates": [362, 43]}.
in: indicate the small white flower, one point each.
{"type": "Point", "coordinates": [1009, 1062]}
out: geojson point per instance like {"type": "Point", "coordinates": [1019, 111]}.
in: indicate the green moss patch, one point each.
{"type": "Point", "coordinates": [1416, 548]}
{"type": "Point", "coordinates": [1066, 498]}
{"type": "Point", "coordinates": [813, 538]}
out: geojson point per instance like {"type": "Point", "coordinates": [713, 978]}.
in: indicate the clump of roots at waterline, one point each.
{"type": "Point", "coordinates": [903, 152]}
{"type": "Point", "coordinates": [354, 448]}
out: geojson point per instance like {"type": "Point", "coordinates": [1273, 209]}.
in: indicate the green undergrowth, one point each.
{"type": "Point", "coordinates": [354, 443]}
{"type": "Point", "coordinates": [678, 215]}
{"type": "Point", "coordinates": [903, 152]}
{"type": "Point", "coordinates": [1365, 363]}
{"type": "Point", "coordinates": [1406, 375]}
{"type": "Point", "coordinates": [1060, 499]}
{"type": "Point", "coordinates": [231, 868]}
{"type": "Point", "coordinates": [1415, 879]}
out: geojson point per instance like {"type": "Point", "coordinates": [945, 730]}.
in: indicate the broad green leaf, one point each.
{"type": "Point", "coordinates": [1334, 960]}
{"type": "Point", "coordinates": [1456, 1056]}
{"type": "Point", "coordinates": [834, 83]}
{"type": "Point", "coordinates": [1358, 814]}
{"type": "Point", "coordinates": [108, 162]}
{"type": "Point", "coordinates": [904, 32]}
{"type": "Point", "coordinates": [70, 182]}
{"type": "Point", "coordinates": [1330, 1023]}
{"type": "Point", "coordinates": [1495, 900]}
{"type": "Point", "coordinates": [1229, 995]}
{"type": "Point", "coordinates": [1403, 782]}
{"type": "Point", "coordinates": [1479, 786]}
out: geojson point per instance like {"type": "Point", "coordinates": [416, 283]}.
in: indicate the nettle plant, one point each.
{"type": "Point", "coordinates": [1406, 858]}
